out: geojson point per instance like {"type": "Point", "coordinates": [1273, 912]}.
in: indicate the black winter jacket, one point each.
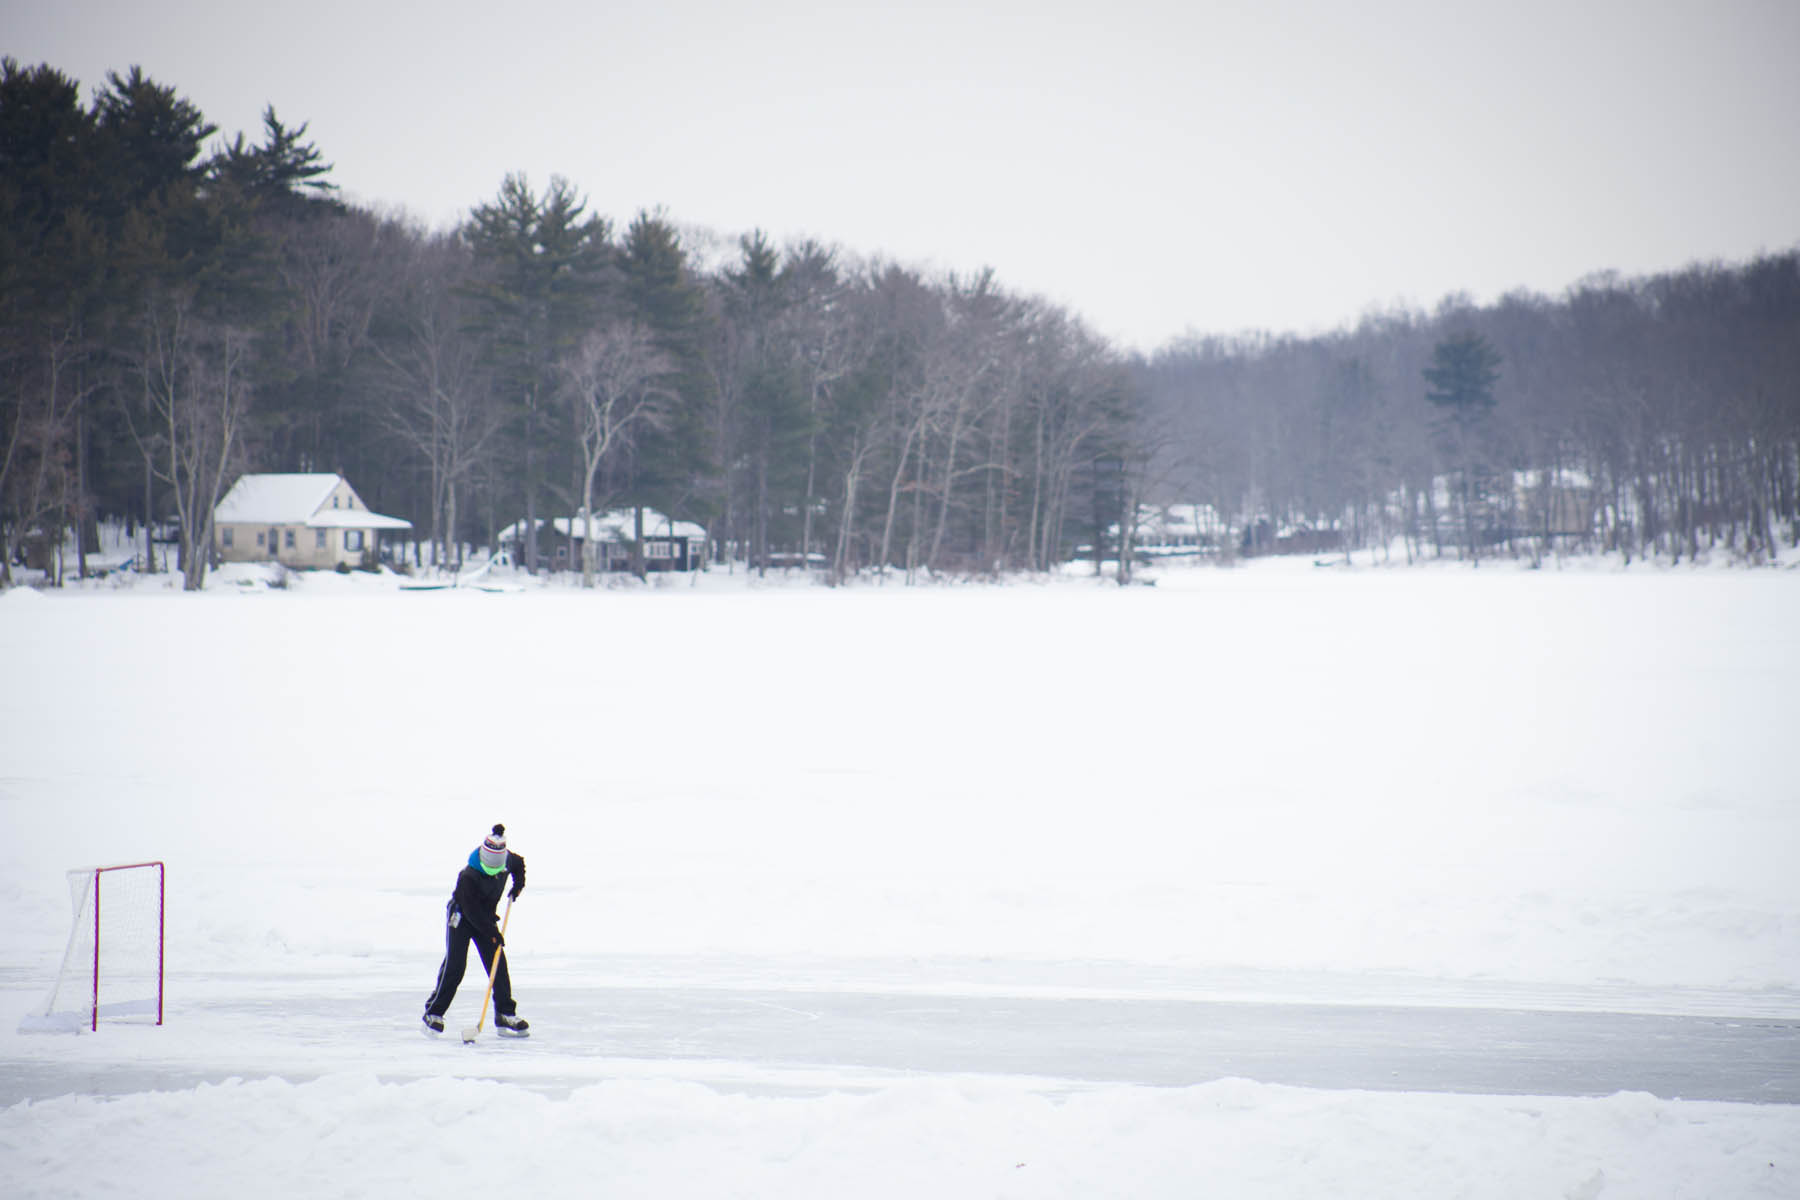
{"type": "Point", "coordinates": [477, 894]}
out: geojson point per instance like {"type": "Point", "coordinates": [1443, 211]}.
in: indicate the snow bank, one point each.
{"type": "Point", "coordinates": [351, 1136]}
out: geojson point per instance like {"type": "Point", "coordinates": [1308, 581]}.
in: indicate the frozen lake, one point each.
{"type": "Point", "coordinates": [1263, 858]}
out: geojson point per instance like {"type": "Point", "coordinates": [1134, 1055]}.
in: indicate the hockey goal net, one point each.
{"type": "Point", "coordinates": [113, 966]}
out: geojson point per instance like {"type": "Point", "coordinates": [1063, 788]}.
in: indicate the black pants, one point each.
{"type": "Point", "coordinates": [456, 959]}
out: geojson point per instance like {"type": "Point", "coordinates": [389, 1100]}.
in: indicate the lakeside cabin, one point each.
{"type": "Point", "coordinates": [669, 544]}
{"type": "Point", "coordinates": [304, 521]}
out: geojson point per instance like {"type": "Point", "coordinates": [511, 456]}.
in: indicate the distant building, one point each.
{"type": "Point", "coordinates": [1555, 504]}
{"type": "Point", "coordinates": [1175, 531]}
{"type": "Point", "coordinates": [669, 545]}
{"type": "Point", "coordinates": [298, 521]}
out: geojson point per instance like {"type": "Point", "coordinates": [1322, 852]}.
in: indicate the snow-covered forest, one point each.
{"type": "Point", "coordinates": [180, 305]}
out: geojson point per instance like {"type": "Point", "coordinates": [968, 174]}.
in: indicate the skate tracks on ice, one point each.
{"type": "Point", "coordinates": [809, 1027]}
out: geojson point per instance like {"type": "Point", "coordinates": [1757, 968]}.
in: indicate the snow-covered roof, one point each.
{"type": "Point", "coordinates": [619, 525]}
{"type": "Point", "coordinates": [1572, 478]}
{"type": "Point", "coordinates": [354, 518]}
{"type": "Point", "coordinates": [278, 498]}
{"type": "Point", "coordinates": [295, 500]}
{"type": "Point", "coordinates": [1157, 522]}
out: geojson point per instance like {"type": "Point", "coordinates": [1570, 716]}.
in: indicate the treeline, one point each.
{"type": "Point", "coordinates": [170, 317]}
{"type": "Point", "coordinates": [1656, 416]}
{"type": "Point", "coordinates": [176, 309]}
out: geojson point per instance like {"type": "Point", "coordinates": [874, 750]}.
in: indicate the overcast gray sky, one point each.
{"type": "Point", "coordinates": [1155, 166]}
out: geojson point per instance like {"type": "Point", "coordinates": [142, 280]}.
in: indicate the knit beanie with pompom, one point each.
{"type": "Point", "coordinates": [493, 851]}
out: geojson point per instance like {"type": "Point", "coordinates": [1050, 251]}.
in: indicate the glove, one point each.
{"type": "Point", "coordinates": [516, 889]}
{"type": "Point", "coordinates": [499, 940]}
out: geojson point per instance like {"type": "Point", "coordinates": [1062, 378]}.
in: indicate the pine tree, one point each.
{"type": "Point", "coordinates": [545, 266]}
{"type": "Point", "coordinates": [284, 174]}
{"type": "Point", "coordinates": [771, 422]}
{"type": "Point", "coordinates": [671, 466]}
{"type": "Point", "coordinates": [151, 139]}
{"type": "Point", "coordinates": [1464, 369]}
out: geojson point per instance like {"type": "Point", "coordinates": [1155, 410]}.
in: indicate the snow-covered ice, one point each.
{"type": "Point", "coordinates": [1558, 789]}
{"type": "Point", "coordinates": [349, 1135]}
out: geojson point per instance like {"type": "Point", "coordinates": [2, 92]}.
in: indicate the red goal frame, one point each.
{"type": "Point", "coordinates": [94, 968]}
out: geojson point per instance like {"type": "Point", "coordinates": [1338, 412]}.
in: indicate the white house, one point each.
{"type": "Point", "coordinates": [298, 521]}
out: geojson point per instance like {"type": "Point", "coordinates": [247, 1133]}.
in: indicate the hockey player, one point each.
{"type": "Point", "coordinates": [472, 917]}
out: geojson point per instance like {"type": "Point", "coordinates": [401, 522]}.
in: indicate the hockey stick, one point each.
{"type": "Point", "coordinates": [474, 1031]}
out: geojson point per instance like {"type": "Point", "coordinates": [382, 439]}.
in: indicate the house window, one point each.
{"type": "Point", "coordinates": [318, 539]}
{"type": "Point", "coordinates": [353, 539]}
{"type": "Point", "coordinates": [225, 537]}
{"type": "Point", "coordinates": [288, 539]}
{"type": "Point", "coordinates": [259, 537]}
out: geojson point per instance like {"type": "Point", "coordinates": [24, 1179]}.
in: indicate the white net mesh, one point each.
{"type": "Point", "coordinates": [113, 964]}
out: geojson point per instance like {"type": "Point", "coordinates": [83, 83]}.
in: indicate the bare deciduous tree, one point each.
{"type": "Point", "coordinates": [439, 398]}
{"type": "Point", "coordinates": [196, 380]}
{"type": "Point", "coordinates": [616, 378]}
